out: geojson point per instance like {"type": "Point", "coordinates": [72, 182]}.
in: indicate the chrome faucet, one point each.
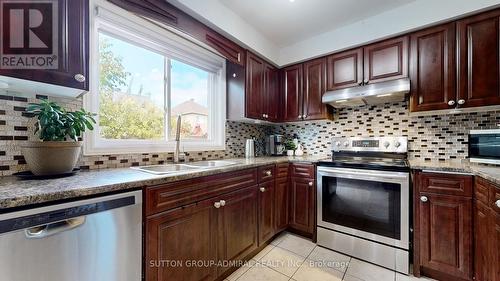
{"type": "Point", "coordinates": [177, 139]}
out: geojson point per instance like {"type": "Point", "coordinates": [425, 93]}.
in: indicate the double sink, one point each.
{"type": "Point", "coordinates": [184, 167]}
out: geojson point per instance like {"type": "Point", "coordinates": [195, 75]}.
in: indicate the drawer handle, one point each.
{"type": "Point", "coordinates": [424, 199]}
{"type": "Point", "coordinates": [268, 173]}
{"type": "Point", "coordinates": [222, 203]}
{"type": "Point", "coordinates": [498, 203]}
{"type": "Point", "coordinates": [80, 78]}
{"type": "Point", "coordinates": [217, 205]}
{"type": "Point", "coordinates": [262, 189]}
{"type": "Point", "coordinates": [311, 183]}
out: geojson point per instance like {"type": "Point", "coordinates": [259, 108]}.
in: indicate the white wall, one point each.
{"type": "Point", "coordinates": [399, 20]}
{"type": "Point", "coordinates": [216, 15]}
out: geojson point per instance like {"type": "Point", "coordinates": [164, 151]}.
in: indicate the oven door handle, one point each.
{"type": "Point", "coordinates": [371, 175]}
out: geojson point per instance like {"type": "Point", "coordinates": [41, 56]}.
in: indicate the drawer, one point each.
{"type": "Point", "coordinates": [267, 173]}
{"type": "Point", "coordinates": [481, 190]}
{"type": "Point", "coordinates": [494, 197]}
{"type": "Point", "coordinates": [176, 194]}
{"type": "Point", "coordinates": [444, 183]}
{"type": "Point", "coordinates": [302, 170]}
{"type": "Point", "coordinates": [282, 170]}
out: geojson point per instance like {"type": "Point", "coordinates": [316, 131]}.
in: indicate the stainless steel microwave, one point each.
{"type": "Point", "coordinates": [484, 146]}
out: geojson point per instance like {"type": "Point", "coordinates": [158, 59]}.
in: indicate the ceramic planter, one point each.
{"type": "Point", "coordinates": [51, 157]}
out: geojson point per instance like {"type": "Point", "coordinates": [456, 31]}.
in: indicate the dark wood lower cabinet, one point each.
{"type": "Point", "coordinates": [182, 235]}
{"type": "Point", "coordinates": [281, 204]}
{"type": "Point", "coordinates": [494, 237]}
{"type": "Point", "coordinates": [266, 211]}
{"type": "Point", "coordinates": [481, 241]}
{"type": "Point", "coordinates": [238, 235]}
{"type": "Point", "coordinates": [302, 205]}
{"type": "Point", "coordinates": [446, 237]}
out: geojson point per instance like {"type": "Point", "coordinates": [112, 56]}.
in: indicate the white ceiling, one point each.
{"type": "Point", "coordinates": [284, 22]}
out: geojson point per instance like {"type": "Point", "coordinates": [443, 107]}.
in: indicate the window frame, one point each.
{"type": "Point", "coordinates": [133, 29]}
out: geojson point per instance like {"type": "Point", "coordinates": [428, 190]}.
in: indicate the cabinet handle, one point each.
{"type": "Point", "coordinates": [222, 203]}
{"type": "Point", "coordinates": [360, 84]}
{"type": "Point", "coordinates": [462, 101]}
{"type": "Point", "coordinates": [311, 183]}
{"type": "Point", "coordinates": [498, 203]}
{"type": "Point", "coordinates": [268, 173]}
{"type": "Point", "coordinates": [424, 199]}
{"type": "Point", "coordinates": [262, 189]}
{"type": "Point", "coordinates": [217, 205]}
{"type": "Point", "coordinates": [239, 57]}
{"type": "Point", "coordinates": [263, 115]}
{"type": "Point", "coordinates": [366, 82]}
{"type": "Point", "coordinates": [80, 78]}
{"type": "Point", "coordinates": [451, 103]}
{"type": "Point", "coordinates": [305, 116]}
{"type": "Point", "coordinates": [300, 116]}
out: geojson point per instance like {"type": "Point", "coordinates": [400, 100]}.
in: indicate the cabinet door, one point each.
{"type": "Point", "coordinates": [345, 69]}
{"type": "Point", "coordinates": [302, 204]}
{"type": "Point", "coordinates": [238, 233]}
{"type": "Point", "coordinates": [433, 68]}
{"type": "Point", "coordinates": [281, 204]}
{"type": "Point", "coordinates": [182, 235]}
{"type": "Point", "coordinates": [254, 87]}
{"type": "Point", "coordinates": [314, 88]}
{"type": "Point", "coordinates": [479, 61]}
{"type": "Point", "coordinates": [387, 60]}
{"type": "Point", "coordinates": [271, 100]}
{"type": "Point", "coordinates": [495, 245]}
{"type": "Point", "coordinates": [481, 241]}
{"type": "Point", "coordinates": [72, 46]}
{"type": "Point", "coordinates": [445, 224]}
{"type": "Point", "coordinates": [266, 211]}
{"type": "Point", "coordinates": [293, 93]}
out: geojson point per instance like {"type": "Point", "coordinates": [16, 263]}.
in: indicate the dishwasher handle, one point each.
{"type": "Point", "coordinates": [42, 231]}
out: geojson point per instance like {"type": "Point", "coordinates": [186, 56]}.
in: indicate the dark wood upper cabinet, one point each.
{"type": "Point", "coordinates": [314, 88]}
{"type": "Point", "coordinates": [479, 60]}
{"type": "Point", "coordinates": [271, 100]}
{"type": "Point", "coordinates": [266, 211]}
{"type": "Point", "coordinates": [238, 231]}
{"type": "Point", "coordinates": [345, 69]}
{"type": "Point", "coordinates": [293, 98]}
{"type": "Point", "coordinates": [72, 45]}
{"type": "Point", "coordinates": [433, 68]}
{"type": "Point", "coordinates": [386, 60]}
{"type": "Point", "coordinates": [254, 86]}
{"type": "Point", "coordinates": [183, 234]}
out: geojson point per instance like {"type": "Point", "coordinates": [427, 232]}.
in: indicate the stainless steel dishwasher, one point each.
{"type": "Point", "coordinates": [97, 239]}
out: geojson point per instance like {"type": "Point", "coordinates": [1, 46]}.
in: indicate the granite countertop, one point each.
{"type": "Point", "coordinates": [19, 193]}
{"type": "Point", "coordinates": [490, 173]}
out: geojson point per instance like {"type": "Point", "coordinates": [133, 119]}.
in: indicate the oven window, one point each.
{"type": "Point", "coordinates": [484, 146]}
{"type": "Point", "coordinates": [370, 206]}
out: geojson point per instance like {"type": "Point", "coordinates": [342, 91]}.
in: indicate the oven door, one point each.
{"type": "Point", "coordinates": [372, 205]}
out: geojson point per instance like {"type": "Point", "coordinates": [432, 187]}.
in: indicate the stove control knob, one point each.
{"type": "Point", "coordinates": [397, 144]}
{"type": "Point", "coordinates": [346, 144]}
{"type": "Point", "coordinates": [386, 144]}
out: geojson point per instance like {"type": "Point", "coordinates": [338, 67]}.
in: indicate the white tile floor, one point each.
{"type": "Point", "coordinates": [290, 257]}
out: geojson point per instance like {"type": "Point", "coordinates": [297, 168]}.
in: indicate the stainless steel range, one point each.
{"type": "Point", "coordinates": [364, 200]}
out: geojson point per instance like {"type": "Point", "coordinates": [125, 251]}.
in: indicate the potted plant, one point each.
{"type": "Point", "coordinates": [290, 147]}
{"type": "Point", "coordinates": [58, 130]}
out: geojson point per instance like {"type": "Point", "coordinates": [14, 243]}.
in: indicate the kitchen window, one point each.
{"type": "Point", "coordinates": [143, 77]}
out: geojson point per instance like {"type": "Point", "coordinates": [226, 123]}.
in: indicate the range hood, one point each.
{"type": "Point", "coordinates": [377, 93]}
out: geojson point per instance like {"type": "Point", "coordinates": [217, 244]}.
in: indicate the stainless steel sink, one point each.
{"type": "Point", "coordinates": [166, 169]}
{"type": "Point", "coordinates": [211, 164]}
{"type": "Point", "coordinates": [186, 167]}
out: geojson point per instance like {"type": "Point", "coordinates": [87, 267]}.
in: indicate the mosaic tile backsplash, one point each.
{"type": "Point", "coordinates": [440, 137]}
{"type": "Point", "coordinates": [16, 128]}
